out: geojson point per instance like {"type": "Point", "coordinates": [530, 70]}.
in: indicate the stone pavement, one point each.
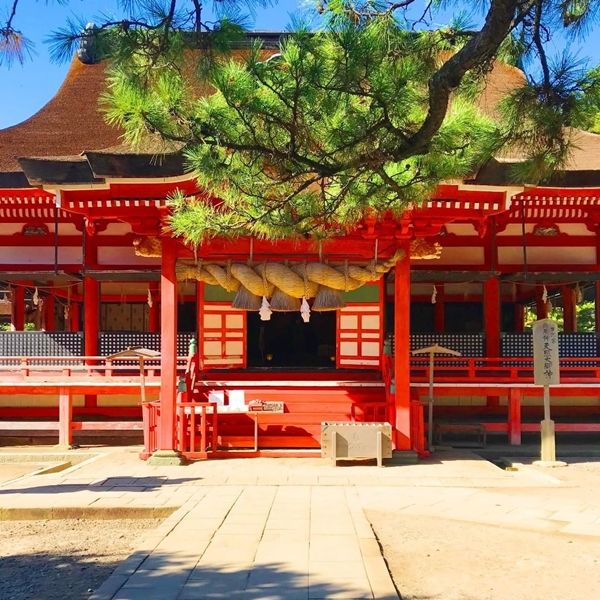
{"type": "Point", "coordinates": [284, 528]}
{"type": "Point", "coordinates": [262, 542]}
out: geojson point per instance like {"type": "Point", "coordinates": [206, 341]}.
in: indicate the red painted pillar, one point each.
{"type": "Point", "coordinates": [514, 417]}
{"type": "Point", "coordinates": [74, 314]}
{"type": "Point", "coordinates": [541, 307]}
{"type": "Point", "coordinates": [91, 314]}
{"type": "Point", "coordinates": [402, 351]}
{"type": "Point", "coordinates": [65, 416]}
{"type": "Point", "coordinates": [168, 331]}
{"type": "Point", "coordinates": [17, 322]}
{"type": "Point", "coordinates": [200, 313]}
{"type": "Point", "coordinates": [91, 307]}
{"type": "Point", "coordinates": [519, 318]}
{"type": "Point", "coordinates": [439, 319]}
{"type": "Point", "coordinates": [48, 322]}
{"type": "Point", "coordinates": [491, 312]}
{"type": "Point", "coordinates": [154, 310]}
{"type": "Point", "coordinates": [491, 315]}
{"type": "Point", "coordinates": [569, 302]}
{"type": "Point", "coordinates": [597, 306]}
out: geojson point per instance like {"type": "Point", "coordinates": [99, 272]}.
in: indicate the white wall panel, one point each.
{"type": "Point", "coordinates": [123, 256]}
{"type": "Point", "coordinates": [40, 255]}
{"type": "Point", "coordinates": [575, 255]}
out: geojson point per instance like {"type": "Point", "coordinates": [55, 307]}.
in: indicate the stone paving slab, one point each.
{"type": "Point", "coordinates": [295, 528]}
{"type": "Point", "coordinates": [493, 507]}
{"type": "Point", "coordinates": [236, 555]}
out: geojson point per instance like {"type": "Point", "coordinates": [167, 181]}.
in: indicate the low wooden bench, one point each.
{"type": "Point", "coordinates": [439, 429]}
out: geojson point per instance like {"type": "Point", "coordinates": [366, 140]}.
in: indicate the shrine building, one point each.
{"type": "Point", "coordinates": [87, 271]}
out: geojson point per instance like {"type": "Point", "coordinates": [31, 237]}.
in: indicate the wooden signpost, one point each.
{"type": "Point", "coordinates": [140, 354]}
{"type": "Point", "coordinates": [432, 351]}
{"type": "Point", "coordinates": [546, 372]}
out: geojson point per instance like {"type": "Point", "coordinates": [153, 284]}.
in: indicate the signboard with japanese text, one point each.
{"type": "Point", "coordinates": [546, 368]}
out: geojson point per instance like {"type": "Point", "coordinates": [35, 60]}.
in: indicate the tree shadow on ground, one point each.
{"type": "Point", "coordinates": [124, 484]}
{"type": "Point", "coordinates": [60, 576]}
{"type": "Point", "coordinates": [52, 576]}
{"type": "Point", "coordinates": [162, 576]}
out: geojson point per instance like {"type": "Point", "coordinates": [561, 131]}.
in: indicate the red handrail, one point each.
{"type": "Point", "coordinates": [417, 429]}
{"type": "Point", "coordinates": [196, 428]}
{"type": "Point", "coordinates": [73, 366]}
{"type": "Point", "coordinates": [500, 370]}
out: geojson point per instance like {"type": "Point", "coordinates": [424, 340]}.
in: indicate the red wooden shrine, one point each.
{"type": "Point", "coordinates": [87, 269]}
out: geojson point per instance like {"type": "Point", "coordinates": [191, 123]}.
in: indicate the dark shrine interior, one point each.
{"type": "Point", "coordinates": [286, 341]}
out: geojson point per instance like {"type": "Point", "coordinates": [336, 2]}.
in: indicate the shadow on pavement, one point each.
{"type": "Point", "coordinates": [134, 484]}
{"type": "Point", "coordinates": [58, 576]}
{"type": "Point", "coordinates": [163, 577]}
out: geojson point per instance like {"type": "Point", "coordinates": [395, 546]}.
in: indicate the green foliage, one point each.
{"type": "Point", "coordinates": [368, 106]}
{"type": "Point", "coordinates": [586, 316]}
{"type": "Point", "coordinates": [308, 142]}
{"type": "Point", "coordinates": [6, 327]}
{"type": "Point", "coordinates": [367, 114]}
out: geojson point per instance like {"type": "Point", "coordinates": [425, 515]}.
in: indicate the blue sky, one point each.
{"type": "Point", "coordinates": [25, 89]}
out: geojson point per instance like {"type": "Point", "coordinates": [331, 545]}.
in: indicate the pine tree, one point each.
{"type": "Point", "coordinates": [363, 112]}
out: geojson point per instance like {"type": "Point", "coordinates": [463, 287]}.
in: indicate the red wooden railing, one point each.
{"type": "Point", "coordinates": [500, 370]}
{"type": "Point", "coordinates": [151, 418]}
{"type": "Point", "coordinates": [417, 429]}
{"type": "Point", "coordinates": [197, 428]}
{"type": "Point", "coordinates": [67, 367]}
{"type": "Point", "coordinates": [64, 374]}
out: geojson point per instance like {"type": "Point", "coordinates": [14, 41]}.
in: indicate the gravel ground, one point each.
{"type": "Point", "coordinates": [63, 560]}
{"type": "Point", "coordinates": [437, 559]}
{"type": "Point", "coordinates": [432, 558]}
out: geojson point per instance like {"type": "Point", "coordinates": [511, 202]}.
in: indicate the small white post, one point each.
{"type": "Point", "coordinates": [380, 449]}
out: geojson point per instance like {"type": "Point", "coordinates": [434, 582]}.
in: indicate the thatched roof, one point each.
{"type": "Point", "coordinates": [67, 126]}
{"type": "Point", "coordinates": [67, 141]}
